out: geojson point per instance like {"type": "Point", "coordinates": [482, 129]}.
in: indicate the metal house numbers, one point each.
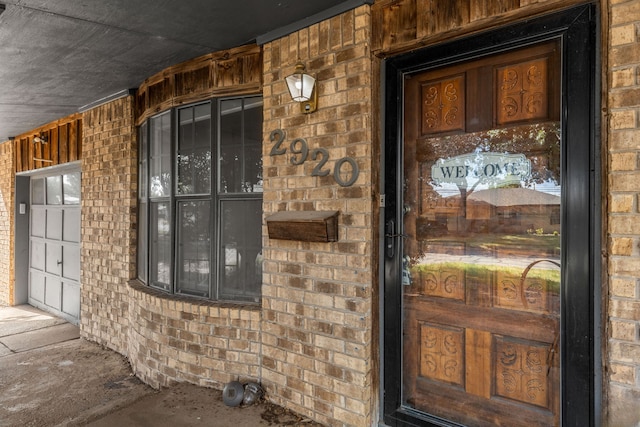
{"type": "Point", "coordinates": [300, 153]}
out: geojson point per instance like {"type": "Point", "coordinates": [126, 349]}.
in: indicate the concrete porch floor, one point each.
{"type": "Point", "coordinates": [49, 376]}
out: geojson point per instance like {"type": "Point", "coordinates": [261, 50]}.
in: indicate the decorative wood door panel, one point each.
{"type": "Point", "coordinates": [481, 256]}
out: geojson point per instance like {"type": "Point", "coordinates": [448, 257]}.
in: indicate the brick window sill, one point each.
{"type": "Point", "coordinates": [137, 285]}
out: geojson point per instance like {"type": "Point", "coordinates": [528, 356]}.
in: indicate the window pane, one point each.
{"type": "Point", "coordinates": [143, 213]}
{"type": "Point", "coordinates": [230, 155]}
{"type": "Point", "coordinates": [176, 233]}
{"type": "Point", "coordinates": [194, 172]}
{"type": "Point", "coordinates": [160, 245]}
{"type": "Point", "coordinates": [194, 150]}
{"type": "Point", "coordinates": [54, 190]}
{"type": "Point", "coordinates": [71, 188]}
{"type": "Point", "coordinates": [143, 171]}
{"type": "Point", "coordinates": [142, 241]}
{"type": "Point", "coordinates": [37, 191]}
{"type": "Point", "coordinates": [253, 145]}
{"type": "Point", "coordinates": [202, 116]}
{"type": "Point", "coordinates": [241, 250]}
{"type": "Point", "coordinates": [194, 247]}
{"type": "Point", "coordinates": [185, 117]}
{"type": "Point", "coordinates": [160, 158]}
{"type": "Point", "coordinates": [241, 145]}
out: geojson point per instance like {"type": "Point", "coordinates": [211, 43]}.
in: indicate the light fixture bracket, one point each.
{"type": "Point", "coordinates": [310, 105]}
{"type": "Point", "coordinates": [42, 138]}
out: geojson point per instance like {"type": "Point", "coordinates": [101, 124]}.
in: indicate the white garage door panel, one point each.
{"type": "Point", "coordinates": [71, 262]}
{"type": "Point", "coordinates": [70, 229]}
{"type": "Point", "coordinates": [54, 274]}
{"type": "Point", "coordinates": [52, 293]}
{"type": "Point", "coordinates": [53, 258]}
{"type": "Point", "coordinates": [36, 286]}
{"type": "Point", "coordinates": [71, 299]}
{"type": "Point", "coordinates": [37, 255]}
{"type": "Point", "coordinates": [38, 217]}
{"type": "Point", "coordinates": [54, 224]}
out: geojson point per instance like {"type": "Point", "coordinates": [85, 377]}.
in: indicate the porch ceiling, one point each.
{"type": "Point", "coordinates": [58, 56]}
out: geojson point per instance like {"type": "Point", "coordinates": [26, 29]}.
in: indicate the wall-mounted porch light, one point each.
{"type": "Point", "coordinates": [302, 89]}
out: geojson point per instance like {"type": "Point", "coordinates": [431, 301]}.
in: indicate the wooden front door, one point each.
{"type": "Point", "coordinates": [481, 259]}
{"type": "Point", "coordinates": [491, 229]}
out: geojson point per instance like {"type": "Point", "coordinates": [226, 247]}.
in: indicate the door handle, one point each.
{"type": "Point", "coordinates": [389, 230]}
{"type": "Point", "coordinates": [390, 235]}
{"type": "Point", "coordinates": [59, 262]}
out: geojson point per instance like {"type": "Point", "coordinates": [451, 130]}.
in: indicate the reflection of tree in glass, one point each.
{"type": "Point", "coordinates": [194, 246]}
{"type": "Point", "coordinates": [160, 184]}
{"type": "Point", "coordinates": [194, 172]}
{"type": "Point", "coordinates": [540, 143]}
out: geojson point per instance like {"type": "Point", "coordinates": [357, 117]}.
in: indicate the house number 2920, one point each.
{"type": "Point", "coordinates": [300, 153]}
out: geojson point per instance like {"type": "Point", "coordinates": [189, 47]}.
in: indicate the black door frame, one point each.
{"type": "Point", "coordinates": [576, 28]}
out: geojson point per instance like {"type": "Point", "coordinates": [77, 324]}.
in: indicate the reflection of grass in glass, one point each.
{"type": "Point", "coordinates": [546, 242]}
{"type": "Point", "coordinates": [539, 272]}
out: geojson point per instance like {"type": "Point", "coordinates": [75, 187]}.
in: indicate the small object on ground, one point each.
{"type": "Point", "coordinates": [233, 393]}
{"type": "Point", "coordinates": [252, 394]}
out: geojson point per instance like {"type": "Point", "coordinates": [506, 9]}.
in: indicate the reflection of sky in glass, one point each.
{"type": "Point", "coordinates": [37, 191]}
{"type": "Point", "coordinates": [71, 188]}
{"type": "Point", "coordinates": [54, 192]}
{"type": "Point", "coordinates": [549, 186]}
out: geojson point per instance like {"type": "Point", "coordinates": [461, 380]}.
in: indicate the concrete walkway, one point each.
{"type": "Point", "coordinates": [49, 376]}
{"type": "Point", "coordinates": [26, 328]}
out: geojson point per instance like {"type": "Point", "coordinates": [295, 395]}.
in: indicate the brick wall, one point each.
{"type": "Point", "coordinates": [7, 187]}
{"type": "Point", "coordinates": [317, 297]}
{"type": "Point", "coordinates": [109, 204]}
{"type": "Point", "coordinates": [167, 338]}
{"type": "Point", "coordinates": [185, 339]}
{"type": "Point", "coordinates": [312, 345]}
{"type": "Point", "coordinates": [624, 213]}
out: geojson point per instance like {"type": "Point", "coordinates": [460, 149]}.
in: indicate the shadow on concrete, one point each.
{"type": "Point", "coordinates": [49, 376]}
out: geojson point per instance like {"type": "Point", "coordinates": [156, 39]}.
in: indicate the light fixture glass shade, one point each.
{"type": "Point", "coordinates": [300, 84]}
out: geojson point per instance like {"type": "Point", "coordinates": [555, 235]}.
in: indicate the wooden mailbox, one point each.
{"type": "Point", "coordinates": [306, 226]}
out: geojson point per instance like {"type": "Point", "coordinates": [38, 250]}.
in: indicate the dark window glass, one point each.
{"type": "Point", "coordinates": [160, 156]}
{"type": "Point", "coordinates": [241, 250]}
{"type": "Point", "coordinates": [143, 213]}
{"type": "Point", "coordinates": [160, 245]}
{"type": "Point", "coordinates": [142, 240]}
{"type": "Point", "coordinates": [179, 215]}
{"type": "Point", "coordinates": [143, 164]}
{"type": "Point", "coordinates": [194, 247]}
{"type": "Point", "coordinates": [240, 159]}
{"type": "Point", "coordinates": [194, 150]}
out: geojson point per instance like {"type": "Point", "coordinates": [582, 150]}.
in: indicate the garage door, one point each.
{"type": "Point", "coordinates": [54, 245]}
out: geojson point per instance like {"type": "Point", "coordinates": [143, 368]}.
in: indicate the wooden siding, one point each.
{"type": "Point", "coordinates": [403, 25]}
{"type": "Point", "coordinates": [236, 71]}
{"type": "Point", "coordinates": [63, 144]}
